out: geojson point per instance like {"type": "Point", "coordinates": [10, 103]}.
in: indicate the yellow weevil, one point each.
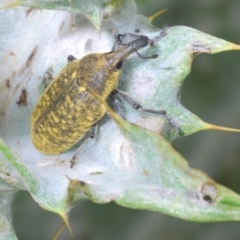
{"type": "Point", "coordinates": [76, 99]}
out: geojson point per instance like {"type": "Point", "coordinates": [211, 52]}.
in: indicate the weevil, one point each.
{"type": "Point", "coordinates": [76, 99]}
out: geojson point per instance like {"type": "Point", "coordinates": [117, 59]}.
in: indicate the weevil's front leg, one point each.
{"type": "Point", "coordinates": [124, 96]}
{"type": "Point", "coordinates": [119, 39]}
{"type": "Point", "coordinates": [92, 134]}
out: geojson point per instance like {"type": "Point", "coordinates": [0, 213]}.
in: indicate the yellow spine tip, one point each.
{"type": "Point", "coordinates": [220, 128]}
{"type": "Point", "coordinates": [235, 46]}
{"type": "Point", "coordinates": [56, 235]}
{"type": "Point", "coordinates": [152, 17]}
{"type": "Point", "coordinates": [65, 220]}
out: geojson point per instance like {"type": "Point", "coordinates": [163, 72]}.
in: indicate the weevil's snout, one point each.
{"type": "Point", "coordinates": [139, 43]}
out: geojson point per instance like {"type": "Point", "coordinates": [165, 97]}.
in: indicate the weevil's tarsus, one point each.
{"type": "Point", "coordinates": [146, 57]}
{"type": "Point", "coordinates": [162, 34]}
{"type": "Point", "coordinates": [92, 133]}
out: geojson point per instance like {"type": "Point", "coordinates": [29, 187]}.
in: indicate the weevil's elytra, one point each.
{"type": "Point", "coordinates": [76, 99]}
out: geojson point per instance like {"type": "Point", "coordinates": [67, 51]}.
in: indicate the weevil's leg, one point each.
{"type": "Point", "coordinates": [132, 35]}
{"type": "Point", "coordinates": [116, 45]}
{"type": "Point", "coordinates": [146, 57]}
{"type": "Point", "coordinates": [161, 35]}
{"type": "Point", "coordinates": [137, 106]}
{"type": "Point", "coordinates": [116, 105]}
{"type": "Point", "coordinates": [118, 42]}
{"type": "Point", "coordinates": [119, 39]}
{"type": "Point", "coordinates": [71, 58]}
{"type": "Point", "coordinates": [92, 134]}
{"type": "Point", "coordinates": [163, 32]}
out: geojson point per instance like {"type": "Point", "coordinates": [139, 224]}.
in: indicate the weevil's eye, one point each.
{"type": "Point", "coordinates": [119, 65]}
{"type": "Point", "coordinates": [71, 58]}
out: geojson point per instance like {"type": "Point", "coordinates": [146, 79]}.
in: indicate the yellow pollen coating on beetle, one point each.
{"type": "Point", "coordinates": [76, 99]}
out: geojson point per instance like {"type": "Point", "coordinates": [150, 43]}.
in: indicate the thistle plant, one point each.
{"type": "Point", "coordinates": [131, 161]}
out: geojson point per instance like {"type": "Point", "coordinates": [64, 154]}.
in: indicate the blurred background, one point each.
{"type": "Point", "coordinates": [211, 91]}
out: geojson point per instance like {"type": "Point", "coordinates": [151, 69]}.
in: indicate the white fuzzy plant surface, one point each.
{"type": "Point", "coordinates": [130, 161]}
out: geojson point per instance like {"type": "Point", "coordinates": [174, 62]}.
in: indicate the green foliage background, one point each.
{"type": "Point", "coordinates": [211, 91]}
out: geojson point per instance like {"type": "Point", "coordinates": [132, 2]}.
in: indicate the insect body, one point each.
{"type": "Point", "coordinates": [75, 100]}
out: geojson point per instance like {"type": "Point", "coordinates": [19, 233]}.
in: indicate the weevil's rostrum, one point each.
{"type": "Point", "coordinates": [76, 98]}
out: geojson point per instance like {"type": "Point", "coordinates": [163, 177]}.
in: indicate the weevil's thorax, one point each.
{"type": "Point", "coordinates": [97, 75]}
